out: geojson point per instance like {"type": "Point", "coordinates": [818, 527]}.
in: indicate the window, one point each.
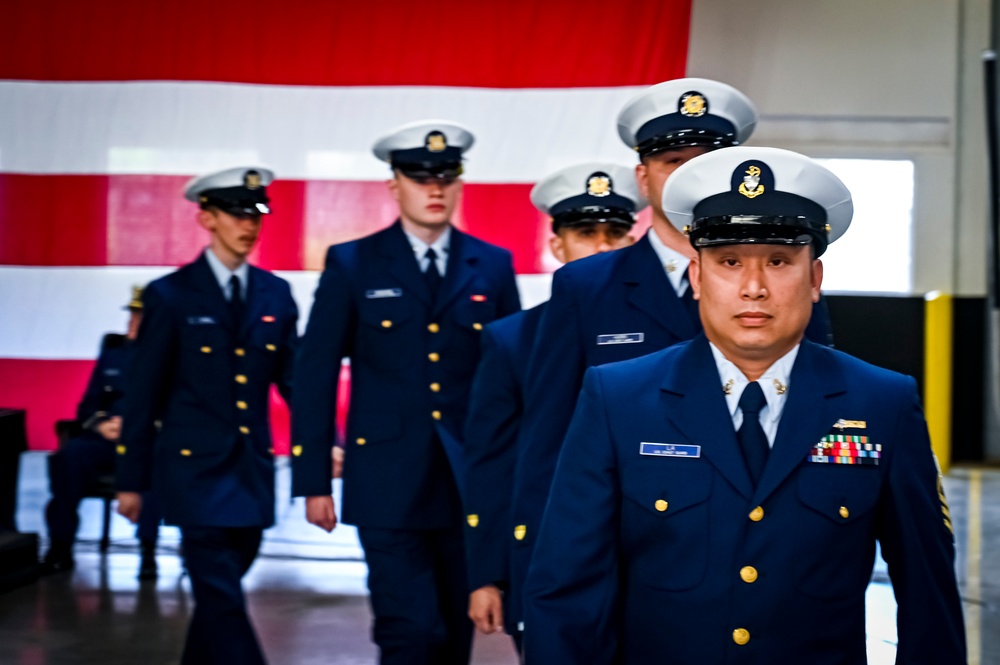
{"type": "Point", "coordinates": [875, 255]}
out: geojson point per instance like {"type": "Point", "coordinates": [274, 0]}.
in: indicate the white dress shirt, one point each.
{"type": "Point", "coordinates": [674, 263]}
{"type": "Point", "coordinates": [222, 274]}
{"type": "Point", "coordinates": [440, 248]}
{"type": "Point", "coordinates": [774, 383]}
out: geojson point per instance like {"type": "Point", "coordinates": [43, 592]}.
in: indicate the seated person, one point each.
{"type": "Point", "coordinates": [78, 465]}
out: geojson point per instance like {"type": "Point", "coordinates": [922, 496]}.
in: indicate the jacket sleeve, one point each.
{"type": "Point", "coordinates": [317, 369]}
{"type": "Point", "coordinates": [148, 380]}
{"type": "Point", "coordinates": [555, 373]}
{"type": "Point", "coordinates": [284, 376]}
{"type": "Point", "coordinates": [490, 437]}
{"type": "Point", "coordinates": [918, 545]}
{"type": "Point", "coordinates": [571, 594]}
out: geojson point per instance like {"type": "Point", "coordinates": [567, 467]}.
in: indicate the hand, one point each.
{"type": "Point", "coordinates": [338, 462]}
{"type": "Point", "coordinates": [110, 429]}
{"type": "Point", "coordinates": [486, 609]}
{"type": "Point", "coordinates": [130, 506]}
{"type": "Point", "coordinates": [319, 511]}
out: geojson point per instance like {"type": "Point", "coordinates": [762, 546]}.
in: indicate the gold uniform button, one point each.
{"type": "Point", "coordinates": [748, 574]}
{"type": "Point", "coordinates": [185, 452]}
{"type": "Point", "coordinates": [270, 347]}
{"type": "Point", "coordinates": [661, 505]}
{"type": "Point", "coordinates": [757, 514]}
{"type": "Point", "coordinates": [241, 378]}
{"type": "Point", "coordinates": [844, 512]}
{"type": "Point", "coordinates": [477, 326]}
{"type": "Point", "coordinates": [241, 405]}
{"type": "Point", "coordinates": [520, 531]}
{"type": "Point", "coordinates": [433, 327]}
{"type": "Point", "coordinates": [436, 415]}
{"type": "Point", "coordinates": [244, 429]}
{"type": "Point", "coordinates": [120, 450]}
{"type": "Point", "coordinates": [473, 520]}
{"type": "Point", "coordinates": [206, 349]}
{"type": "Point", "coordinates": [361, 441]}
{"type": "Point", "coordinates": [297, 451]}
{"type": "Point", "coordinates": [741, 636]}
{"type": "Point", "coordinates": [435, 387]}
{"type": "Point", "coordinates": [240, 352]}
{"type": "Point", "coordinates": [387, 323]}
{"type": "Point", "coordinates": [433, 357]}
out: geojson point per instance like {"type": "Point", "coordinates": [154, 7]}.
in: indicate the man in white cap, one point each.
{"type": "Point", "coordinates": [720, 501]}
{"type": "Point", "coordinates": [407, 305]}
{"type": "Point", "coordinates": [623, 304]}
{"type": "Point", "coordinates": [215, 335]}
{"type": "Point", "coordinates": [592, 208]}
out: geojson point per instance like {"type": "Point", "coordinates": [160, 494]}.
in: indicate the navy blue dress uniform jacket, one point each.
{"type": "Point", "coordinates": [679, 559]}
{"type": "Point", "coordinates": [196, 424]}
{"type": "Point", "coordinates": [604, 308]}
{"type": "Point", "coordinates": [103, 397]}
{"type": "Point", "coordinates": [495, 410]}
{"type": "Point", "coordinates": [412, 356]}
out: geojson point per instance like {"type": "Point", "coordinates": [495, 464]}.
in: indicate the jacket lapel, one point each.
{"type": "Point", "coordinates": [461, 268]}
{"type": "Point", "coordinates": [203, 280]}
{"type": "Point", "coordinates": [401, 262]}
{"type": "Point", "coordinates": [816, 390]}
{"type": "Point", "coordinates": [257, 301]}
{"type": "Point", "coordinates": [651, 292]}
{"type": "Point", "coordinates": [695, 404]}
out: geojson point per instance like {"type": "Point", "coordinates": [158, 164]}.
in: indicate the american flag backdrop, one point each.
{"type": "Point", "coordinates": [108, 107]}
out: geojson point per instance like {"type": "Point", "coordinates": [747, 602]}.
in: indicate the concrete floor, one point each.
{"type": "Point", "coordinates": [307, 594]}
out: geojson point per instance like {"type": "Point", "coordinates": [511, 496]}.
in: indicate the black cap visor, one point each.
{"type": "Point", "coordinates": [592, 215]}
{"type": "Point", "coordinates": [243, 208]}
{"type": "Point", "coordinates": [758, 229]}
{"type": "Point", "coordinates": [425, 172]}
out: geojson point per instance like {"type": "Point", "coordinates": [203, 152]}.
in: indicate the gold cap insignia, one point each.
{"type": "Point", "coordinates": [599, 184]}
{"type": "Point", "coordinates": [751, 187]}
{"type": "Point", "coordinates": [251, 180]}
{"type": "Point", "coordinates": [693, 105]}
{"type": "Point", "coordinates": [436, 142]}
{"type": "Point", "coordinates": [473, 520]}
{"type": "Point", "coordinates": [136, 302]}
{"type": "Point", "coordinates": [520, 531]}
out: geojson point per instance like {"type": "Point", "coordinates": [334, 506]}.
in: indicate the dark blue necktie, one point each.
{"type": "Point", "coordinates": [432, 275]}
{"type": "Point", "coordinates": [751, 434]}
{"type": "Point", "coordinates": [236, 308]}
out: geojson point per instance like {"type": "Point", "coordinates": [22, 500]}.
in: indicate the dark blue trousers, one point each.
{"type": "Point", "coordinates": [419, 595]}
{"type": "Point", "coordinates": [73, 472]}
{"type": "Point", "coordinates": [216, 559]}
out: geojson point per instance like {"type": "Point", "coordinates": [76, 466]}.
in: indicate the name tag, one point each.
{"type": "Point", "coordinates": [201, 321]}
{"type": "Point", "coordinates": [621, 338]}
{"type": "Point", "coordinates": [112, 371]}
{"type": "Point", "coordinates": [669, 450]}
{"type": "Point", "coordinates": [384, 293]}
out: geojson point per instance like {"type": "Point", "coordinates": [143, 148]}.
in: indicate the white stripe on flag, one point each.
{"type": "Point", "coordinates": [301, 132]}
{"type": "Point", "coordinates": [62, 313]}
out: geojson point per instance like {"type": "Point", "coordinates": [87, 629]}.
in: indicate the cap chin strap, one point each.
{"type": "Point", "coordinates": [759, 230]}
{"type": "Point", "coordinates": [687, 138]}
{"type": "Point", "coordinates": [591, 215]}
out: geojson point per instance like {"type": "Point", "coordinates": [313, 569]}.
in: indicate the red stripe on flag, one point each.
{"type": "Point", "coordinates": [49, 390]}
{"type": "Point", "coordinates": [141, 220]}
{"type": "Point", "coordinates": [53, 221]}
{"type": "Point", "coordinates": [517, 44]}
